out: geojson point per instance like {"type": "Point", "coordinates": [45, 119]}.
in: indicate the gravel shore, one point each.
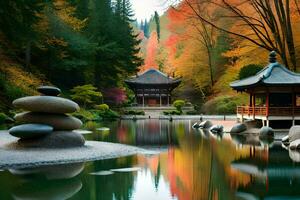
{"type": "Point", "coordinates": [11, 157]}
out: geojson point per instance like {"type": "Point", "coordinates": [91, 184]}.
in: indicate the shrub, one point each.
{"type": "Point", "coordinates": [85, 115]}
{"type": "Point", "coordinates": [192, 112]}
{"type": "Point", "coordinates": [102, 107]}
{"type": "Point", "coordinates": [85, 94]}
{"type": "Point", "coordinates": [109, 114]}
{"type": "Point", "coordinates": [172, 112]}
{"type": "Point", "coordinates": [249, 70]}
{"type": "Point", "coordinates": [178, 104]}
{"type": "Point", "coordinates": [3, 117]}
{"type": "Point", "coordinates": [134, 112]}
{"type": "Point", "coordinates": [222, 105]}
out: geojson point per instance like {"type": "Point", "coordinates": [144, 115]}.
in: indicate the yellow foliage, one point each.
{"type": "Point", "coordinates": [18, 77]}
{"type": "Point", "coordinates": [66, 13]}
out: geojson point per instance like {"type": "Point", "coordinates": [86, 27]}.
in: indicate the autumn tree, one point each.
{"type": "Point", "coordinates": [266, 24]}
{"type": "Point", "coordinates": [157, 24]}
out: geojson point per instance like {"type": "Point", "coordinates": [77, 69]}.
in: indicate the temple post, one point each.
{"type": "Point", "coordinates": [143, 98]}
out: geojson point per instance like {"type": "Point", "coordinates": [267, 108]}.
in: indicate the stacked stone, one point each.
{"type": "Point", "coordinates": [47, 123]}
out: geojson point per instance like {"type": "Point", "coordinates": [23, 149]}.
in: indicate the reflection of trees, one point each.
{"type": "Point", "coordinates": [200, 169]}
{"type": "Point", "coordinates": [116, 186]}
{"type": "Point", "coordinates": [272, 175]}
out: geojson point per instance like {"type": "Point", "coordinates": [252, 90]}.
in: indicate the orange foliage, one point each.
{"type": "Point", "coordinates": [152, 48]}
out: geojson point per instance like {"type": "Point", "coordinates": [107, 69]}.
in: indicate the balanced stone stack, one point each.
{"type": "Point", "coordinates": [47, 123]}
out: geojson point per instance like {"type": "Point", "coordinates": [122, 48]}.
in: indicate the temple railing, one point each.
{"type": "Point", "coordinates": [272, 111]}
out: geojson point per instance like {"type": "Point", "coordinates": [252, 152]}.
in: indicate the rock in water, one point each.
{"type": "Point", "coordinates": [46, 104]}
{"type": "Point", "coordinates": [205, 124]}
{"type": "Point", "coordinates": [49, 90]}
{"type": "Point", "coordinates": [295, 144]}
{"type": "Point", "coordinates": [238, 128]}
{"type": "Point", "coordinates": [196, 126]}
{"type": "Point", "coordinates": [217, 129]}
{"type": "Point", "coordinates": [57, 121]}
{"type": "Point", "coordinates": [294, 133]}
{"type": "Point", "coordinates": [285, 140]}
{"type": "Point", "coordinates": [57, 139]}
{"type": "Point", "coordinates": [27, 131]}
{"type": "Point", "coordinates": [266, 132]}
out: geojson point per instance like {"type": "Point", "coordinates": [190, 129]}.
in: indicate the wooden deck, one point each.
{"type": "Point", "coordinates": [271, 111]}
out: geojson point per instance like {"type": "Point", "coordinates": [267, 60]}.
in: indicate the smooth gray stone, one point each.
{"type": "Point", "coordinates": [295, 144]}
{"type": "Point", "coordinates": [57, 121]}
{"type": "Point", "coordinates": [266, 132]}
{"type": "Point", "coordinates": [217, 129]}
{"type": "Point", "coordinates": [57, 139]}
{"type": "Point", "coordinates": [49, 90]}
{"type": "Point", "coordinates": [206, 124]}
{"type": "Point", "coordinates": [285, 140]}
{"type": "Point", "coordinates": [26, 131]}
{"type": "Point", "coordinates": [46, 104]}
{"type": "Point", "coordinates": [238, 128]}
{"type": "Point", "coordinates": [196, 126]}
{"type": "Point", "coordinates": [294, 133]}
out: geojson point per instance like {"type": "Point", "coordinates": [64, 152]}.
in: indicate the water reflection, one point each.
{"type": "Point", "coordinates": [190, 165]}
{"type": "Point", "coordinates": [46, 182]}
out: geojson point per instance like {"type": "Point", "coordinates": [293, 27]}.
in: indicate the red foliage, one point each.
{"type": "Point", "coordinates": [115, 95]}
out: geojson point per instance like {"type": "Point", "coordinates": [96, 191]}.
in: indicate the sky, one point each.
{"type": "Point", "coordinates": [145, 8]}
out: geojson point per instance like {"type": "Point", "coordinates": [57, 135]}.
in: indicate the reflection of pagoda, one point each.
{"type": "Point", "coordinates": [277, 176]}
{"type": "Point", "coordinates": [155, 132]}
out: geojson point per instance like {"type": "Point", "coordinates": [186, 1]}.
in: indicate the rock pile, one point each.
{"type": "Point", "coordinates": [47, 123]}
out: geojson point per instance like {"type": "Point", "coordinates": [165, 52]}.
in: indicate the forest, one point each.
{"type": "Point", "coordinates": [212, 43]}
{"type": "Point", "coordinates": [66, 43]}
{"type": "Point", "coordinates": [69, 43]}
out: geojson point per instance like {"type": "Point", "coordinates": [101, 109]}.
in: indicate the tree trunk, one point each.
{"type": "Point", "coordinates": [28, 54]}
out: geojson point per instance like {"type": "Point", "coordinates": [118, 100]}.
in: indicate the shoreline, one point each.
{"type": "Point", "coordinates": [181, 117]}
{"type": "Point", "coordinates": [33, 157]}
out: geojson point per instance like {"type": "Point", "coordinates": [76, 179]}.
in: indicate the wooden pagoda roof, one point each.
{"type": "Point", "coordinates": [153, 77]}
{"type": "Point", "coordinates": [274, 74]}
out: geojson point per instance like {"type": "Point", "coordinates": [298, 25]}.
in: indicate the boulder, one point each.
{"type": "Point", "coordinates": [253, 124]}
{"type": "Point", "coordinates": [49, 90]}
{"type": "Point", "coordinates": [238, 128]}
{"type": "Point", "coordinates": [57, 121]}
{"type": "Point", "coordinates": [294, 155]}
{"type": "Point", "coordinates": [295, 144]}
{"type": "Point", "coordinates": [46, 104]}
{"type": "Point", "coordinates": [26, 131]}
{"type": "Point", "coordinates": [205, 124]}
{"type": "Point", "coordinates": [266, 132]}
{"type": "Point", "coordinates": [285, 140]}
{"type": "Point", "coordinates": [294, 133]}
{"type": "Point", "coordinates": [57, 139]}
{"type": "Point", "coordinates": [196, 126]}
{"type": "Point", "coordinates": [217, 129]}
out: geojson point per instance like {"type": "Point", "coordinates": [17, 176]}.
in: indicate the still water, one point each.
{"type": "Point", "coordinates": [181, 163]}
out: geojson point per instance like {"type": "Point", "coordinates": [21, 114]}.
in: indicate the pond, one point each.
{"type": "Point", "coordinates": [180, 163]}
